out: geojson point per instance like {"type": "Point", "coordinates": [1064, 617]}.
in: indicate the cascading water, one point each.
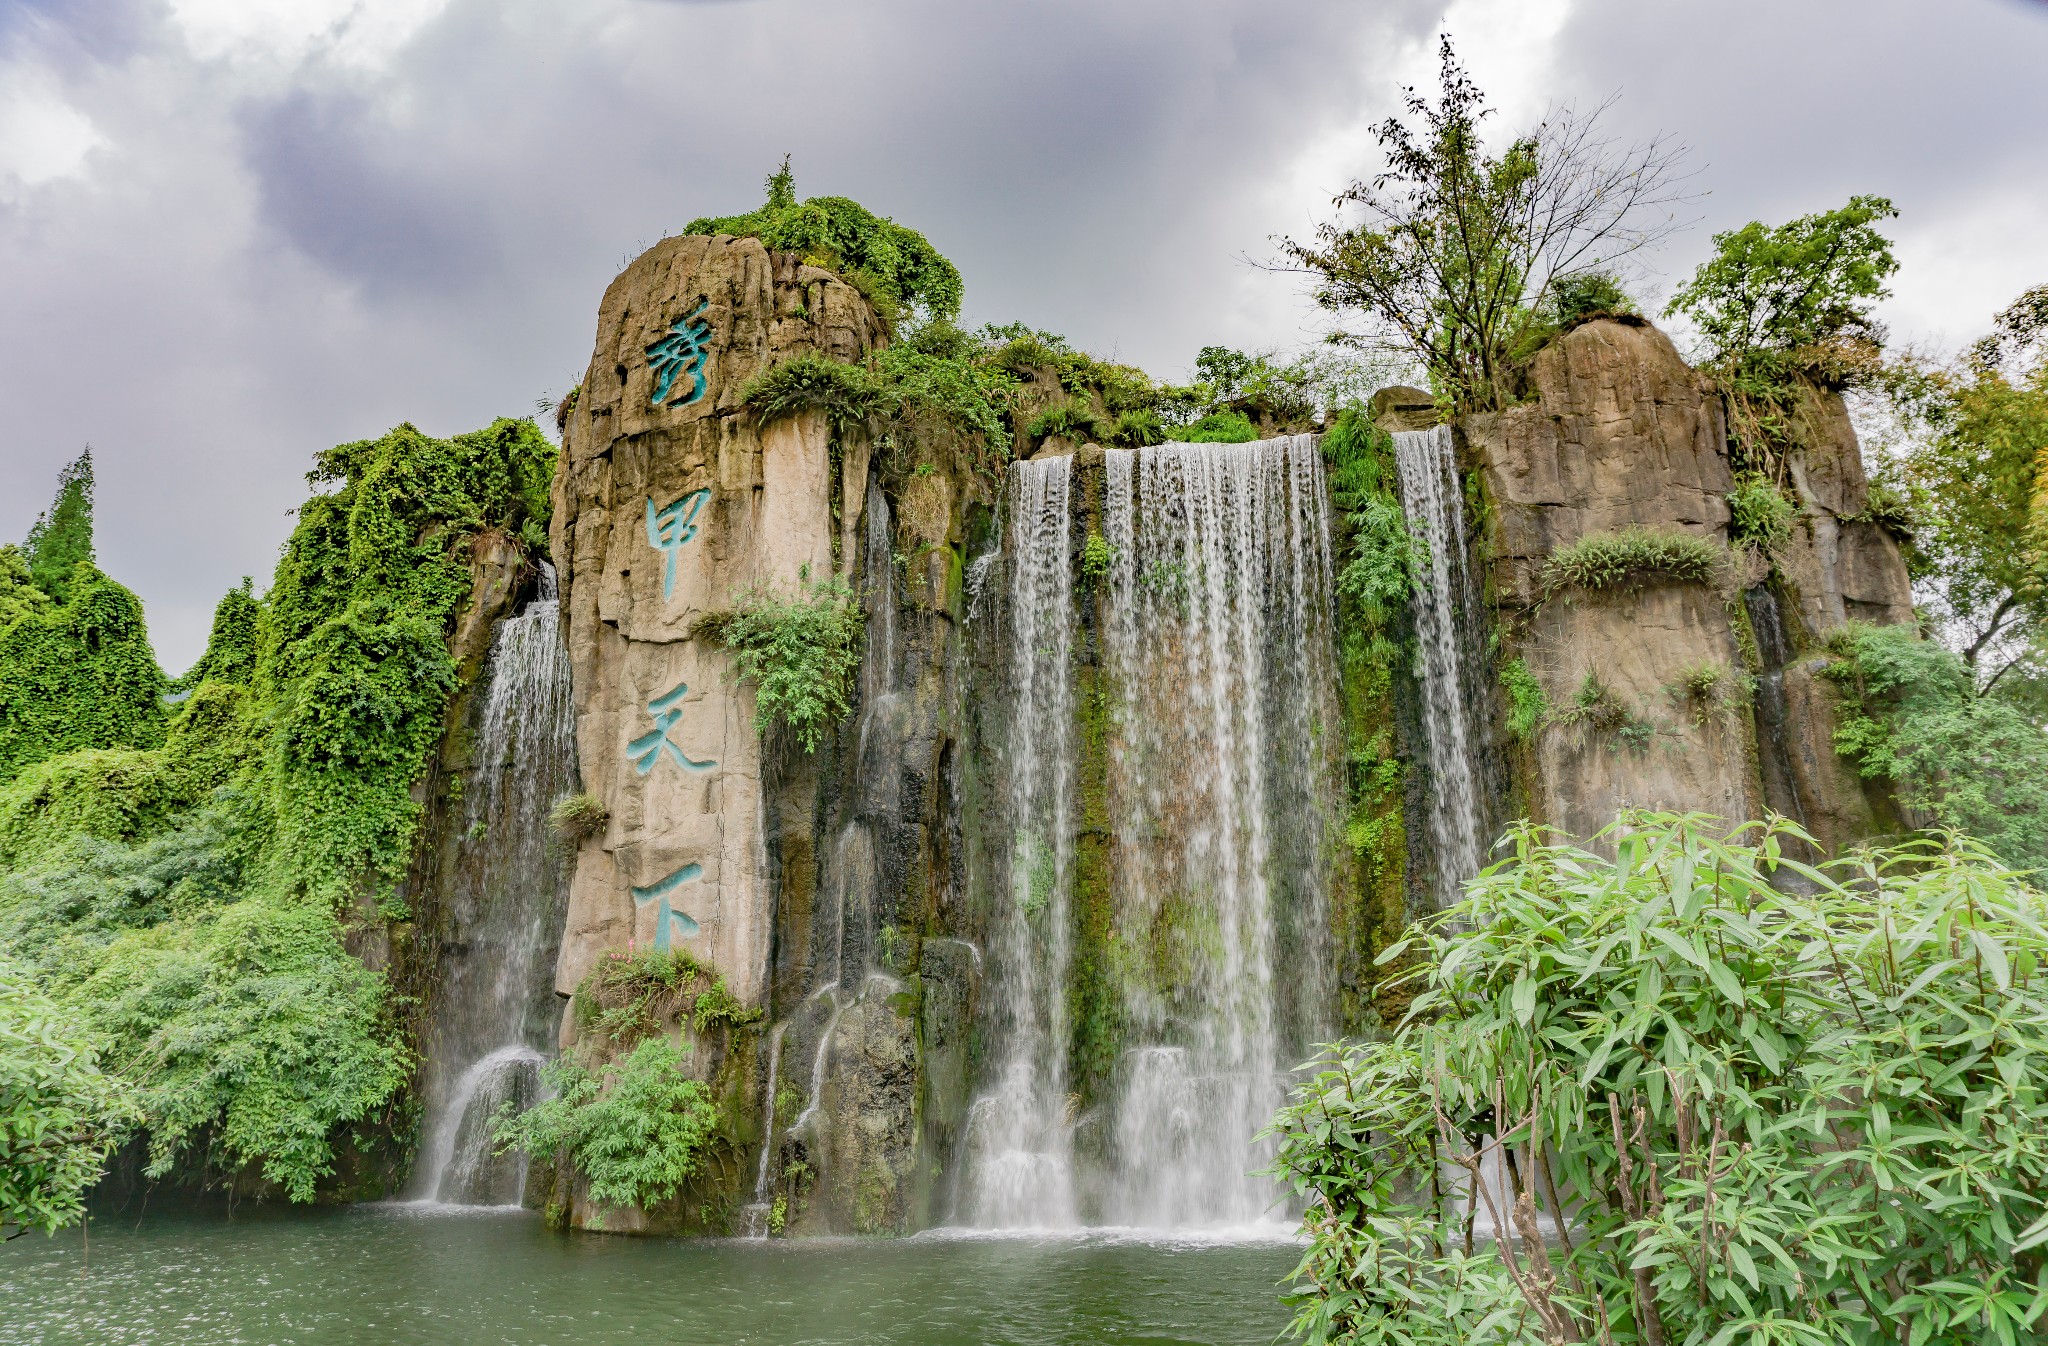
{"type": "Point", "coordinates": [1445, 607]}
{"type": "Point", "coordinates": [1218, 638]}
{"type": "Point", "coordinates": [1019, 1140]}
{"type": "Point", "coordinates": [1215, 640]}
{"type": "Point", "coordinates": [494, 1011]}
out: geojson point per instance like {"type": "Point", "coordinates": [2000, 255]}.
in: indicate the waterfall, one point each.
{"type": "Point", "coordinates": [1215, 732]}
{"type": "Point", "coordinates": [1018, 1134]}
{"type": "Point", "coordinates": [1447, 631]}
{"type": "Point", "coordinates": [1218, 640]}
{"type": "Point", "coordinates": [493, 1014]}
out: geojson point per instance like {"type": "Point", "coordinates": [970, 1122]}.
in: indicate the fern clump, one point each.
{"type": "Point", "coordinates": [846, 393]}
{"type": "Point", "coordinates": [1632, 559]}
{"type": "Point", "coordinates": [1759, 514]}
{"type": "Point", "coordinates": [798, 652]}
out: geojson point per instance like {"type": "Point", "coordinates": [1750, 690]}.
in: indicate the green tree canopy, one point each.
{"type": "Point", "coordinates": [1455, 252]}
{"type": "Point", "coordinates": [1772, 296]}
{"type": "Point", "coordinates": [1974, 461]}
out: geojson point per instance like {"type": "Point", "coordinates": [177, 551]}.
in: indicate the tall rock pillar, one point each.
{"type": "Point", "coordinates": [671, 502]}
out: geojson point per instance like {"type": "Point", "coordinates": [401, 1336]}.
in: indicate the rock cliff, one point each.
{"type": "Point", "coordinates": [1685, 694]}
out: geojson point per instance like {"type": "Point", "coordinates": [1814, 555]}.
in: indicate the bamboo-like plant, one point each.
{"type": "Point", "coordinates": [1698, 1093]}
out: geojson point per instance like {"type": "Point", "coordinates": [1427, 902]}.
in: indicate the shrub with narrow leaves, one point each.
{"type": "Point", "coordinates": [1720, 1097]}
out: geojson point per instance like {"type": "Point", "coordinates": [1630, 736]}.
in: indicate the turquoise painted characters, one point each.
{"type": "Point", "coordinates": [667, 918]}
{"type": "Point", "coordinates": [647, 750]}
{"type": "Point", "coordinates": [669, 527]}
{"type": "Point", "coordinates": [681, 350]}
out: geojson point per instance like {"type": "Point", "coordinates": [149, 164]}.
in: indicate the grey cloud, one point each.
{"type": "Point", "coordinates": [253, 272]}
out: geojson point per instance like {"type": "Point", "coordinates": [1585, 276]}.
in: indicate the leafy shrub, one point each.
{"type": "Point", "coordinates": [1630, 560]}
{"type": "Point", "coordinates": [76, 671]}
{"type": "Point", "coordinates": [1912, 715]}
{"type": "Point", "coordinates": [1096, 556]}
{"type": "Point", "coordinates": [575, 818]}
{"type": "Point", "coordinates": [1588, 294]}
{"type": "Point", "coordinates": [1597, 709]}
{"type": "Point", "coordinates": [1710, 1111]}
{"type": "Point", "coordinates": [1220, 427]}
{"type": "Point", "coordinates": [1138, 428]}
{"type": "Point", "coordinates": [1528, 705]}
{"type": "Point", "coordinates": [799, 654]}
{"type": "Point", "coordinates": [846, 393]}
{"type": "Point", "coordinates": [1759, 514]}
{"type": "Point", "coordinates": [895, 267]}
{"type": "Point", "coordinates": [1067, 420]}
{"type": "Point", "coordinates": [240, 1024]}
{"type": "Point", "coordinates": [628, 998]}
{"type": "Point", "coordinates": [353, 670]}
{"type": "Point", "coordinates": [60, 1116]}
{"type": "Point", "coordinates": [635, 1130]}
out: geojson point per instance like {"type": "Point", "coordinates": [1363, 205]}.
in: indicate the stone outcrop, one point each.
{"type": "Point", "coordinates": [1667, 696]}
{"type": "Point", "coordinates": [670, 503]}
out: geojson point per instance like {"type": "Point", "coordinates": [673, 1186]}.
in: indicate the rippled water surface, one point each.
{"type": "Point", "coordinates": [400, 1275]}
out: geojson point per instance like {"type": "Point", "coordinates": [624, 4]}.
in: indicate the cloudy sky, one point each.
{"type": "Point", "coordinates": [233, 232]}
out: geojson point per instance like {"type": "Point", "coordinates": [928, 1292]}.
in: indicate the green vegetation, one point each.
{"type": "Point", "coordinates": [1096, 557]}
{"type": "Point", "coordinates": [1974, 468]}
{"type": "Point", "coordinates": [182, 899]}
{"type": "Point", "coordinates": [799, 653]}
{"type": "Point", "coordinates": [1712, 691]}
{"type": "Point", "coordinates": [1598, 709]}
{"type": "Point", "coordinates": [895, 267]}
{"type": "Point", "coordinates": [1377, 560]}
{"type": "Point", "coordinates": [637, 1129]}
{"type": "Point", "coordinates": [1796, 298]}
{"type": "Point", "coordinates": [1528, 704]}
{"type": "Point", "coordinates": [60, 1115]}
{"type": "Point", "coordinates": [628, 998]}
{"type": "Point", "coordinates": [1631, 559]}
{"type": "Point", "coordinates": [1220, 427]}
{"type": "Point", "coordinates": [1759, 514]}
{"type": "Point", "coordinates": [1757, 1116]}
{"type": "Point", "coordinates": [1911, 714]}
{"type": "Point", "coordinates": [1586, 295]}
{"type": "Point", "coordinates": [76, 669]}
{"type": "Point", "coordinates": [1469, 258]}
{"type": "Point", "coordinates": [578, 817]}
{"type": "Point", "coordinates": [1786, 309]}
{"type": "Point", "coordinates": [812, 382]}
{"type": "Point", "coordinates": [61, 538]}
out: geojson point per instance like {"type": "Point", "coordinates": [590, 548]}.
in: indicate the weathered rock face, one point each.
{"type": "Point", "coordinates": [1670, 696]}
{"type": "Point", "coordinates": [822, 885]}
{"type": "Point", "coordinates": [669, 503]}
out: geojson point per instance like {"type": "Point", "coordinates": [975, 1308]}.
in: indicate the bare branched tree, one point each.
{"type": "Point", "coordinates": [1463, 257]}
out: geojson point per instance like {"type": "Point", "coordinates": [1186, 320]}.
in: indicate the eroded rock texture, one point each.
{"type": "Point", "coordinates": [1675, 695]}
{"type": "Point", "coordinates": [669, 504]}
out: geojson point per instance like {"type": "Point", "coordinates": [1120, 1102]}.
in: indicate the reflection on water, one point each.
{"type": "Point", "coordinates": [395, 1274]}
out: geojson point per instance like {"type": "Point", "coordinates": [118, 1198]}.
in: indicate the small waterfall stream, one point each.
{"type": "Point", "coordinates": [1447, 631]}
{"type": "Point", "coordinates": [494, 1012]}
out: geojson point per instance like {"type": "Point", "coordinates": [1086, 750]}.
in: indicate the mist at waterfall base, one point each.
{"type": "Point", "coordinates": [396, 1274]}
{"type": "Point", "coordinates": [495, 1013]}
{"type": "Point", "coordinates": [1215, 642]}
